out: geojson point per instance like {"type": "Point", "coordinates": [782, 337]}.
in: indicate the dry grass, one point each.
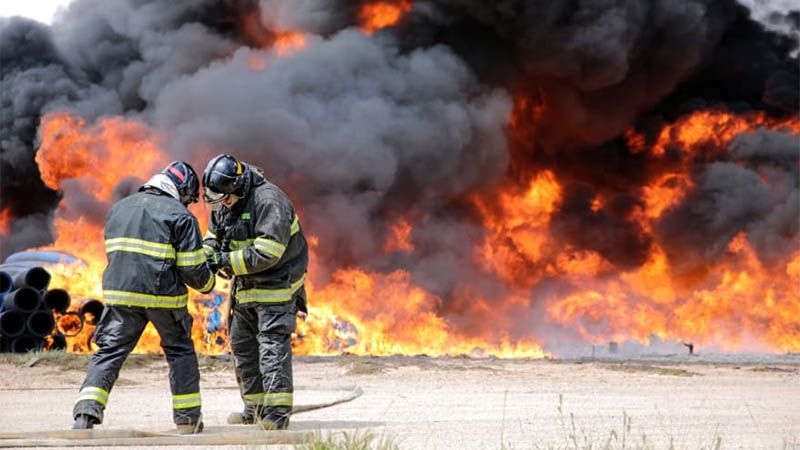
{"type": "Point", "coordinates": [651, 369]}
{"type": "Point", "coordinates": [359, 440]}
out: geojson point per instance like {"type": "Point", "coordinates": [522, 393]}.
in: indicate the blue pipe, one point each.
{"type": "Point", "coordinates": [42, 257]}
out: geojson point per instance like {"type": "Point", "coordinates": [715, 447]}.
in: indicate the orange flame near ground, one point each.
{"type": "Point", "coordinates": [377, 15]}
{"type": "Point", "coordinates": [68, 142]}
{"type": "Point", "coordinates": [737, 303]}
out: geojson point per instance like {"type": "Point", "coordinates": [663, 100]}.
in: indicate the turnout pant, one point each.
{"type": "Point", "coordinates": [117, 333]}
{"type": "Point", "coordinates": [260, 337]}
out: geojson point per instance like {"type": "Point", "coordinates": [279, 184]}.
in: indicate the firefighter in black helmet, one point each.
{"type": "Point", "coordinates": [254, 236]}
{"type": "Point", "coordinates": [154, 250]}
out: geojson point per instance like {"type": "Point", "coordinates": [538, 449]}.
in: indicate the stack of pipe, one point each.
{"type": "Point", "coordinates": [27, 307]}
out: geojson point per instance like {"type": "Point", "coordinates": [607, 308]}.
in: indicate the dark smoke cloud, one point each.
{"type": "Point", "coordinates": [373, 131]}
{"type": "Point", "coordinates": [32, 76]}
{"type": "Point", "coordinates": [607, 231]}
{"type": "Point", "coordinates": [99, 58]}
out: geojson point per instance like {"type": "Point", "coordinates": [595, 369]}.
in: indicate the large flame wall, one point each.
{"type": "Point", "coordinates": [471, 180]}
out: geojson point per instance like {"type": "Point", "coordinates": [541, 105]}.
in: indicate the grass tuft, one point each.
{"type": "Point", "coordinates": [365, 440]}
{"type": "Point", "coordinates": [647, 368]}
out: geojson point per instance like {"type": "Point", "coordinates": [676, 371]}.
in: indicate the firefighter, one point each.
{"type": "Point", "coordinates": [255, 237]}
{"type": "Point", "coordinates": [154, 249]}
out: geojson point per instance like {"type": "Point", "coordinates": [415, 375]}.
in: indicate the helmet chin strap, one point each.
{"type": "Point", "coordinates": [235, 200]}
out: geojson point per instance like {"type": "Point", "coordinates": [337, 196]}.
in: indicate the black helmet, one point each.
{"type": "Point", "coordinates": [185, 179]}
{"type": "Point", "coordinates": [224, 175]}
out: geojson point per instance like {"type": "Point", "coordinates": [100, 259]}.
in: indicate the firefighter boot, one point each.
{"type": "Point", "coordinates": [84, 422]}
{"type": "Point", "coordinates": [237, 418]}
{"type": "Point", "coordinates": [246, 417]}
{"type": "Point", "coordinates": [190, 428]}
{"type": "Point", "coordinates": [277, 420]}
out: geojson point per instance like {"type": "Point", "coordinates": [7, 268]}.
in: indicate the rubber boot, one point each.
{"type": "Point", "coordinates": [84, 422]}
{"type": "Point", "coordinates": [240, 418]}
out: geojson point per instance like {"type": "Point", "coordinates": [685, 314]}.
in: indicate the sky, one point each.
{"type": "Point", "coordinates": [41, 10]}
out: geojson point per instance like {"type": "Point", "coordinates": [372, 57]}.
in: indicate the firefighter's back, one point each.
{"type": "Point", "coordinates": [141, 258]}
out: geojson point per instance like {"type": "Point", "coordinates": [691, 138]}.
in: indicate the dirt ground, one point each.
{"type": "Point", "coordinates": [460, 403]}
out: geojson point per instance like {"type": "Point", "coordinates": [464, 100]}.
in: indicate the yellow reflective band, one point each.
{"type": "Point", "coordinates": [190, 258]}
{"type": "Point", "coordinates": [295, 225]}
{"type": "Point", "coordinates": [269, 295]}
{"type": "Point", "coordinates": [186, 401]}
{"type": "Point", "coordinates": [279, 399]}
{"type": "Point", "coordinates": [270, 247]}
{"type": "Point", "coordinates": [93, 393]}
{"type": "Point", "coordinates": [209, 284]}
{"type": "Point", "coordinates": [210, 235]}
{"type": "Point", "coordinates": [254, 399]}
{"type": "Point", "coordinates": [125, 298]}
{"type": "Point", "coordinates": [238, 245]}
{"type": "Point", "coordinates": [237, 262]}
{"type": "Point", "coordinates": [154, 249]}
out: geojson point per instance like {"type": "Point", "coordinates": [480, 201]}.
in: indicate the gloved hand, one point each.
{"type": "Point", "coordinates": [224, 268]}
{"type": "Point", "coordinates": [210, 251]}
{"type": "Point", "coordinates": [212, 258]}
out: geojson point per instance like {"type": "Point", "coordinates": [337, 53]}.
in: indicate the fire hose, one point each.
{"type": "Point", "coordinates": [228, 435]}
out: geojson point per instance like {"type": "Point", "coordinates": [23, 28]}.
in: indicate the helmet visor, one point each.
{"type": "Point", "coordinates": [212, 198]}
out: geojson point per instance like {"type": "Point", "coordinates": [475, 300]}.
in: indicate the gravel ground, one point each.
{"type": "Point", "coordinates": [743, 402]}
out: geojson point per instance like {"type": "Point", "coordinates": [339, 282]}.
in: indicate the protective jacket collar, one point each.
{"type": "Point", "coordinates": [162, 183]}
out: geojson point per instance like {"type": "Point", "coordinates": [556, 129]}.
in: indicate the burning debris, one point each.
{"type": "Point", "coordinates": [471, 175]}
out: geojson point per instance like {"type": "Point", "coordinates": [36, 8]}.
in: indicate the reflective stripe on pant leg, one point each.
{"type": "Point", "coordinates": [256, 399]}
{"type": "Point", "coordinates": [184, 401]}
{"type": "Point", "coordinates": [97, 394]}
{"type": "Point", "coordinates": [279, 399]}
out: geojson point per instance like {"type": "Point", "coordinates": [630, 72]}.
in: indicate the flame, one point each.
{"type": "Point", "coordinates": [714, 130]}
{"type": "Point", "coordinates": [288, 42]}
{"type": "Point", "coordinates": [5, 220]}
{"type": "Point", "coordinates": [92, 154]}
{"type": "Point", "coordinates": [735, 302]}
{"type": "Point", "coordinates": [399, 238]}
{"type": "Point", "coordinates": [382, 314]}
{"type": "Point", "coordinates": [378, 15]}
{"type": "Point", "coordinates": [518, 223]}
{"type": "Point", "coordinates": [281, 41]}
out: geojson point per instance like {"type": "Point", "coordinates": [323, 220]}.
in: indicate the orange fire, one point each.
{"type": "Point", "coordinates": [288, 42]}
{"type": "Point", "coordinates": [5, 220]}
{"type": "Point", "coordinates": [344, 314]}
{"type": "Point", "coordinates": [384, 314]}
{"type": "Point", "coordinates": [518, 224]}
{"type": "Point", "coordinates": [717, 128]}
{"type": "Point", "coordinates": [400, 238]}
{"type": "Point", "coordinates": [98, 156]}
{"type": "Point", "coordinates": [378, 15]}
{"type": "Point", "coordinates": [734, 303]}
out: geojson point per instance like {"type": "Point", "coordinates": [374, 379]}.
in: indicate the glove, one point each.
{"type": "Point", "coordinates": [301, 303]}
{"type": "Point", "coordinates": [223, 262]}
{"type": "Point", "coordinates": [213, 261]}
{"type": "Point", "coordinates": [209, 251]}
